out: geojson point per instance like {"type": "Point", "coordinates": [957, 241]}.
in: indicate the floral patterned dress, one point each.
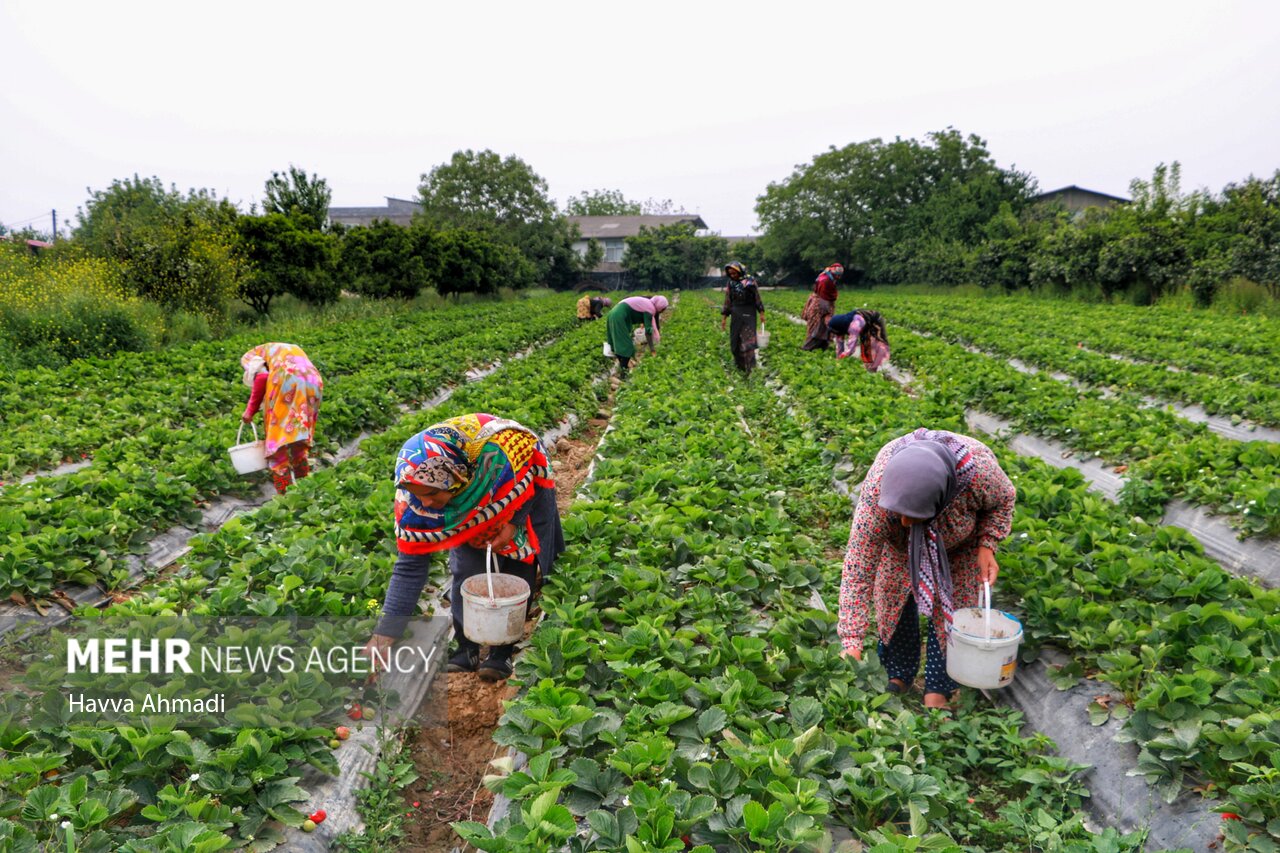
{"type": "Point", "coordinates": [292, 394]}
{"type": "Point", "coordinates": [875, 565]}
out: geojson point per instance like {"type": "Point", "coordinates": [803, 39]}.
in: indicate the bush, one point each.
{"type": "Point", "coordinates": [285, 258]}
{"type": "Point", "coordinates": [1242, 296]}
{"type": "Point", "coordinates": [53, 312]}
{"type": "Point", "coordinates": [384, 260]}
{"type": "Point", "coordinates": [178, 250]}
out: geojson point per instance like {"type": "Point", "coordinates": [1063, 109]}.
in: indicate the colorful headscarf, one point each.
{"type": "Point", "coordinates": [926, 472]}
{"type": "Point", "coordinates": [659, 303]}
{"type": "Point", "coordinates": [836, 271]}
{"type": "Point", "coordinates": [492, 465]}
{"type": "Point", "coordinates": [735, 265]}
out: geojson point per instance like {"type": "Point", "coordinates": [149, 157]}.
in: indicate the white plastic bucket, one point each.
{"type": "Point", "coordinates": [982, 645]}
{"type": "Point", "coordinates": [250, 456]}
{"type": "Point", "coordinates": [493, 606]}
{"type": "Point", "coordinates": [762, 339]}
{"type": "Point", "coordinates": [608, 350]}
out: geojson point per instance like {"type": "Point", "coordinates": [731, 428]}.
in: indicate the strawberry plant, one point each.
{"type": "Point", "coordinates": [681, 682]}
{"type": "Point", "coordinates": [321, 551]}
{"type": "Point", "coordinates": [1190, 647]}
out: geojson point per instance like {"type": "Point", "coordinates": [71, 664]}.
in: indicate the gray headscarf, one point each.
{"type": "Point", "coordinates": [920, 481]}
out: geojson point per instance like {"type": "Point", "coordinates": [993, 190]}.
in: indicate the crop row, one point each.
{"type": "Point", "coordinates": [1047, 340]}
{"type": "Point", "coordinates": [47, 416]}
{"type": "Point", "coordinates": [322, 551]}
{"type": "Point", "coordinates": [683, 685]}
{"type": "Point", "coordinates": [1167, 456]}
{"type": "Point", "coordinates": [1231, 347]}
{"type": "Point", "coordinates": [76, 527]}
{"type": "Point", "coordinates": [1192, 648]}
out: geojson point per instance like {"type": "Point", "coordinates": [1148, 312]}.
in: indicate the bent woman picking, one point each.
{"type": "Point", "coordinates": [465, 485]}
{"type": "Point", "coordinates": [287, 387]}
{"type": "Point", "coordinates": [931, 513]}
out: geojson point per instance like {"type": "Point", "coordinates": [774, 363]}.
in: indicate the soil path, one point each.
{"type": "Point", "coordinates": [453, 744]}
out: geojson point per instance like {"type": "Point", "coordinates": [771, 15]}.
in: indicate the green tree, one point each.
{"type": "Point", "coordinates": [294, 194]}
{"type": "Point", "coordinates": [482, 190]}
{"type": "Point", "coordinates": [874, 206]}
{"type": "Point", "coordinates": [469, 262]}
{"type": "Point", "coordinates": [505, 199]}
{"type": "Point", "coordinates": [179, 250]}
{"type": "Point", "coordinates": [602, 203]}
{"type": "Point", "coordinates": [672, 256]}
{"type": "Point", "coordinates": [286, 258]}
{"type": "Point", "coordinates": [594, 255]}
{"type": "Point", "coordinates": [385, 260]}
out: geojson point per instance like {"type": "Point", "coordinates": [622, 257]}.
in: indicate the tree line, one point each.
{"type": "Point", "coordinates": [941, 211]}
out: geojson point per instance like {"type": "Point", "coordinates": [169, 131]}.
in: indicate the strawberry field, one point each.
{"type": "Point", "coordinates": [683, 688]}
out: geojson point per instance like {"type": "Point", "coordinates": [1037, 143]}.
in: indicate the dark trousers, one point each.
{"type": "Point", "coordinates": [901, 657]}
{"type": "Point", "coordinates": [624, 361]}
{"type": "Point", "coordinates": [465, 562]}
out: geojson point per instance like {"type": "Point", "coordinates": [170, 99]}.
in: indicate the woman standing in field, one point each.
{"type": "Point", "coordinates": [820, 307]}
{"type": "Point", "coordinates": [861, 331]}
{"type": "Point", "coordinates": [931, 513]}
{"type": "Point", "coordinates": [465, 485]}
{"type": "Point", "coordinates": [287, 386]}
{"type": "Point", "coordinates": [742, 307]}
{"type": "Point", "coordinates": [628, 314]}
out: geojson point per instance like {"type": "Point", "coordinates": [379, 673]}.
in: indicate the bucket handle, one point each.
{"type": "Point", "coordinates": [488, 570]}
{"type": "Point", "coordinates": [986, 610]}
{"type": "Point", "coordinates": [252, 425]}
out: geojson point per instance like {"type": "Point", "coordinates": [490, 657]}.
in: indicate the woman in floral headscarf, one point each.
{"type": "Point", "coordinates": [743, 306]}
{"type": "Point", "coordinates": [465, 485]}
{"type": "Point", "coordinates": [931, 513]}
{"type": "Point", "coordinates": [625, 316]}
{"type": "Point", "coordinates": [820, 307]}
{"type": "Point", "coordinates": [287, 386]}
{"type": "Point", "coordinates": [861, 331]}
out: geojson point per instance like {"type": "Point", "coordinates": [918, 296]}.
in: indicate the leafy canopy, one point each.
{"type": "Point", "coordinates": [672, 255]}
{"type": "Point", "coordinates": [873, 205]}
{"type": "Point", "coordinates": [614, 203]}
{"type": "Point", "coordinates": [294, 194]}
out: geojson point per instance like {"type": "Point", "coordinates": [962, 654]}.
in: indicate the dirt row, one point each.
{"type": "Point", "coordinates": [452, 744]}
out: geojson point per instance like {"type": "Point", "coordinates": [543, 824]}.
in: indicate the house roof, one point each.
{"type": "Point", "coordinates": [1074, 188]}
{"type": "Point", "coordinates": [602, 227]}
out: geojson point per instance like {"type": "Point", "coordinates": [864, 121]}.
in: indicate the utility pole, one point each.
{"type": "Point", "coordinates": [54, 214]}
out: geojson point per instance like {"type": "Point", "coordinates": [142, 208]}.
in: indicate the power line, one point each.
{"type": "Point", "coordinates": [43, 215]}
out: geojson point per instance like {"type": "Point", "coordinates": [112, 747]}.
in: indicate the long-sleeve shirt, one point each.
{"type": "Point", "coordinates": [825, 287]}
{"type": "Point", "coordinates": [742, 295]}
{"type": "Point", "coordinates": [255, 397]}
{"type": "Point", "coordinates": [409, 575]}
{"type": "Point", "coordinates": [876, 570]}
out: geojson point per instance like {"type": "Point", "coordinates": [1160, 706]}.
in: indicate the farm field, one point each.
{"type": "Point", "coordinates": [684, 688]}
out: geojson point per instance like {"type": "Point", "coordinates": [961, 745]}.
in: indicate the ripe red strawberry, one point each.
{"type": "Point", "coordinates": [318, 816]}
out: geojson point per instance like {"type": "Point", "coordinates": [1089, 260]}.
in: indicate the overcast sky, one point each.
{"type": "Point", "coordinates": [701, 102]}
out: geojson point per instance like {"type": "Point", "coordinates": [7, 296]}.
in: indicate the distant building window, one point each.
{"type": "Point", "coordinates": [613, 251]}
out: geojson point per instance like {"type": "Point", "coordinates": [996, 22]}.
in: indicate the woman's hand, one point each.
{"type": "Point", "coordinates": [246, 418]}
{"type": "Point", "coordinates": [502, 538]}
{"type": "Point", "coordinates": [855, 653]}
{"type": "Point", "coordinates": [988, 568]}
{"type": "Point", "coordinates": [723, 319]}
{"type": "Point", "coordinates": [377, 649]}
